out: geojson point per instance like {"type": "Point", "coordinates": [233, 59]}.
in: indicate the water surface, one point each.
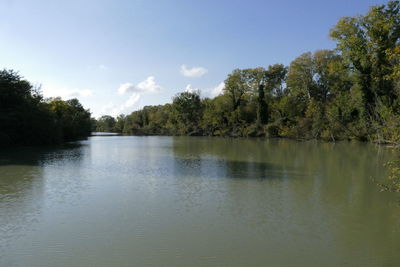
{"type": "Point", "coordinates": [181, 201]}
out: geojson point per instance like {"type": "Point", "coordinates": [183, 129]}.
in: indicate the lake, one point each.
{"type": "Point", "coordinates": [194, 201]}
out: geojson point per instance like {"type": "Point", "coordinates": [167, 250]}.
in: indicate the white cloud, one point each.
{"type": "Point", "coordinates": [66, 93]}
{"type": "Point", "coordinates": [208, 92]}
{"type": "Point", "coordinates": [110, 109]}
{"type": "Point", "coordinates": [193, 71]}
{"type": "Point", "coordinates": [126, 88]}
{"type": "Point", "coordinates": [190, 89]}
{"type": "Point", "coordinates": [132, 100]}
{"type": "Point", "coordinates": [149, 85]}
{"type": "Point", "coordinates": [80, 93]}
{"type": "Point", "coordinates": [216, 91]}
{"type": "Point", "coordinates": [127, 107]}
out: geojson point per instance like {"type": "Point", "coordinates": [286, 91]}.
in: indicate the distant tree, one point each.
{"type": "Point", "coordinates": [93, 124]}
{"type": "Point", "coordinates": [74, 120]}
{"type": "Point", "coordinates": [187, 112]}
{"type": "Point", "coordinates": [119, 124]}
{"type": "Point", "coordinates": [106, 123]}
{"type": "Point", "coordinates": [216, 113]}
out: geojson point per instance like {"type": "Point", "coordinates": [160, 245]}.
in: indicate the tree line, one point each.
{"type": "Point", "coordinates": [26, 118]}
{"type": "Point", "coordinates": [351, 92]}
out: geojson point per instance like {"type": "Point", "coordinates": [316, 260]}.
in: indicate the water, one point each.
{"type": "Point", "coordinates": [181, 201]}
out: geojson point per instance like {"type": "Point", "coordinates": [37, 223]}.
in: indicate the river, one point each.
{"type": "Point", "coordinates": [194, 201]}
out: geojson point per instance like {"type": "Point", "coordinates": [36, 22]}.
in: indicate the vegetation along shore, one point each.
{"type": "Point", "coordinates": [351, 92]}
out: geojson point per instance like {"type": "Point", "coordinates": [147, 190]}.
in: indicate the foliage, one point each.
{"type": "Point", "coordinates": [351, 92]}
{"type": "Point", "coordinates": [186, 113]}
{"type": "Point", "coordinates": [27, 119]}
{"type": "Point", "coordinates": [369, 44]}
{"type": "Point", "coordinates": [72, 119]}
{"type": "Point", "coordinates": [107, 123]}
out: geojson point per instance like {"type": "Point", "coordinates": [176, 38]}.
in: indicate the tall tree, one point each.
{"type": "Point", "coordinates": [187, 110]}
{"type": "Point", "coordinates": [24, 118]}
{"type": "Point", "coordinates": [366, 42]}
{"type": "Point", "coordinates": [74, 120]}
{"type": "Point", "coordinates": [276, 78]}
{"type": "Point", "coordinates": [256, 80]}
{"type": "Point", "coordinates": [236, 86]}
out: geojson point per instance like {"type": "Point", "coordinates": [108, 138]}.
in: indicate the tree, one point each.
{"type": "Point", "coordinates": [276, 77]}
{"type": "Point", "coordinates": [366, 43]}
{"type": "Point", "coordinates": [106, 123]}
{"type": "Point", "coordinates": [72, 118]}
{"type": "Point", "coordinates": [119, 124]}
{"type": "Point", "coordinates": [215, 120]}
{"type": "Point", "coordinates": [236, 87]}
{"type": "Point", "coordinates": [350, 92]}
{"type": "Point", "coordinates": [256, 80]}
{"type": "Point", "coordinates": [187, 112]}
{"type": "Point", "coordinates": [314, 81]}
{"type": "Point", "coordinates": [26, 119]}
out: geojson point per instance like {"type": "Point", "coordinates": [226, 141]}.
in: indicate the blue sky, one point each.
{"type": "Point", "coordinates": [117, 56]}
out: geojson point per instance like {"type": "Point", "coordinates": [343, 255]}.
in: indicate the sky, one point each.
{"type": "Point", "coordinates": [117, 56]}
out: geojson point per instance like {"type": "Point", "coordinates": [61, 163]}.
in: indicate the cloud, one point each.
{"type": "Point", "coordinates": [216, 91]}
{"type": "Point", "coordinates": [110, 109]}
{"type": "Point", "coordinates": [80, 93]}
{"type": "Point", "coordinates": [208, 92]}
{"type": "Point", "coordinates": [147, 86]}
{"type": "Point", "coordinates": [193, 72]}
{"type": "Point", "coordinates": [132, 100]}
{"type": "Point", "coordinates": [190, 89]}
{"type": "Point", "coordinates": [126, 88]}
{"type": "Point", "coordinates": [115, 110]}
{"type": "Point", "coordinates": [66, 93]}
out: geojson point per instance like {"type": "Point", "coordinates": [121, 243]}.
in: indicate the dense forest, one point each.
{"type": "Point", "coordinates": [351, 92]}
{"type": "Point", "coordinates": [26, 118]}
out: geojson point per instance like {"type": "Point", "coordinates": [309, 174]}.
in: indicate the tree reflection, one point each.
{"type": "Point", "coordinates": [23, 181]}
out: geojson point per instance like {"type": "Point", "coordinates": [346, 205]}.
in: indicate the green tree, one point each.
{"type": "Point", "coordinates": [106, 123]}
{"type": "Point", "coordinates": [24, 117]}
{"type": "Point", "coordinates": [216, 112]}
{"type": "Point", "coordinates": [276, 78]}
{"type": "Point", "coordinates": [119, 124]}
{"type": "Point", "coordinates": [236, 86]}
{"type": "Point", "coordinates": [256, 80]}
{"type": "Point", "coordinates": [367, 42]}
{"type": "Point", "coordinates": [72, 118]}
{"type": "Point", "coordinates": [187, 112]}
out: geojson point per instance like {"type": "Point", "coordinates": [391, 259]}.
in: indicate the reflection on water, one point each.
{"type": "Point", "coordinates": [25, 181]}
{"type": "Point", "coordinates": [181, 201]}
